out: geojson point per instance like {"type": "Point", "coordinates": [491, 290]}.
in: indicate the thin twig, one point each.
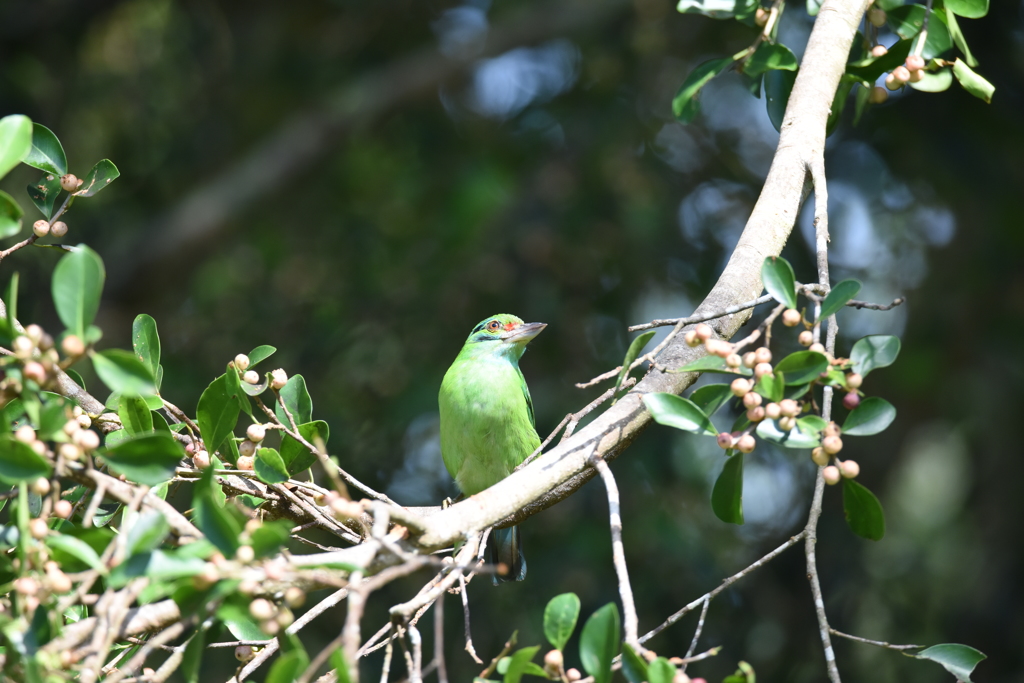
{"type": "Point", "coordinates": [701, 317]}
{"type": "Point", "coordinates": [442, 671]}
{"type": "Point", "coordinates": [877, 307]}
{"type": "Point", "coordinates": [618, 554]}
{"type": "Point", "coordinates": [876, 643]}
{"type": "Point", "coordinates": [465, 610]}
{"type": "Point", "coordinates": [696, 634]}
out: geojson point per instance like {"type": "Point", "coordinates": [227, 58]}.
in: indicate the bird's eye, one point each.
{"type": "Point", "coordinates": [493, 325]}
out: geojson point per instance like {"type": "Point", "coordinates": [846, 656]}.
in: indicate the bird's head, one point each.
{"type": "Point", "coordinates": [504, 334]}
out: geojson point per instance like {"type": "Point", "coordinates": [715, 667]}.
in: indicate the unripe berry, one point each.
{"type": "Point", "coordinates": [878, 95]}
{"type": "Point", "coordinates": [755, 414]}
{"type": "Point", "coordinates": [849, 469]}
{"type": "Point", "coordinates": [69, 451]}
{"type": "Point", "coordinates": [733, 360]}
{"type": "Point", "coordinates": [59, 229]}
{"type": "Point", "coordinates": [245, 462]}
{"type": "Point", "coordinates": [251, 377]}
{"type": "Point", "coordinates": [831, 429]}
{"type": "Point", "coordinates": [877, 17]}
{"type": "Point", "coordinates": [740, 387]}
{"type": "Point", "coordinates": [749, 359]}
{"type": "Point", "coordinates": [763, 355]}
{"type": "Point", "coordinates": [762, 369]}
{"type": "Point", "coordinates": [691, 338]}
{"type": "Point", "coordinates": [786, 423]}
{"type": "Point", "coordinates": [901, 74]}
{"type": "Point", "coordinates": [917, 76]}
{"type": "Point", "coordinates": [914, 63]}
{"type": "Point", "coordinates": [41, 228]}
{"type": "Point", "coordinates": [806, 338]}
{"type": "Point", "coordinates": [245, 554]}
{"type": "Point", "coordinates": [26, 585]}
{"type": "Point", "coordinates": [34, 371]}
{"type": "Point", "coordinates": [40, 486]}
{"type": "Point", "coordinates": [72, 345]}
{"type": "Point", "coordinates": [891, 83]}
{"type": "Point", "coordinates": [718, 347]}
{"type": "Point", "coordinates": [553, 661]}
{"type": "Point", "coordinates": [817, 347]}
{"type": "Point", "coordinates": [573, 674]}
{"type": "Point", "coordinates": [69, 183]}
{"type": "Point", "coordinates": [746, 443]}
{"type": "Point", "coordinates": [752, 400]}
{"type": "Point", "coordinates": [244, 653]}
{"type": "Point", "coordinates": [84, 421]}
{"type": "Point", "coordinates": [791, 318]}
{"type": "Point", "coordinates": [25, 434]}
{"type": "Point", "coordinates": [56, 580]}
{"type": "Point", "coordinates": [284, 617]}
{"type": "Point", "coordinates": [256, 433]}
{"type": "Point", "coordinates": [23, 346]}
{"type": "Point", "coordinates": [62, 508]}
{"type": "Point", "coordinates": [247, 448]}
{"type": "Point", "coordinates": [879, 51]}
{"type": "Point", "coordinates": [819, 456]}
{"type": "Point", "coordinates": [294, 597]}
{"type": "Point", "coordinates": [201, 460]}
{"type": "Point", "coordinates": [87, 439]}
{"type": "Point", "coordinates": [262, 609]}
{"type": "Point", "coordinates": [789, 408]}
{"type": "Point", "coordinates": [34, 332]}
{"type": "Point", "coordinates": [832, 444]}
{"type": "Point", "coordinates": [772, 411]}
{"type": "Point", "coordinates": [39, 447]}
{"type": "Point", "coordinates": [851, 400]}
{"type": "Point", "coordinates": [854, 380]}
{"type": "Point", "coordinates": [278, 378]}
{"type": "Point", "coordinates": [38, 528]}
{"type": "Point", "coordinates": [270, 627]}
{"type": "Point", "coordinates": [724, 440]}
{"type": "Point", "coordinates": [704, 331]}
{"type": "Point", "coordinates": [761, 16]}
{"type": "Point", "coordinates": [242, 362]}
{"type": "Point", "coordinates": [831, 475]}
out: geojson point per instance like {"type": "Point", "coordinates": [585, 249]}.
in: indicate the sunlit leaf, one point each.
{"type": "Point", "coordinates": [908, 20]}
{"type": "Point", "coordinates": [631, 353]}
{"type": "Point", "coordinates": [519, 664]}
{"type": "Point", "coordinates": [123, 372]}
{"type": "Point", "coordinates": [18, 462]}
{"type": "Point", "coordinates": [77, 548]}
{"type": "Point", "coordinates": [934, 81]}
{"type": "Point", "coordinates": [77, 286]}
{"type": "Point", "coordinates": [44, 194]}
{"type": "Point", "coordinates": [970, 9]}
{"type": "Point", "coordinates": [972, 82]}
{"type": "Point", "coordinates": [806, 433]}
{"type": "Point", "coordinates": [675, 411]}
{"type": "Point", "coordinates": [661, 671]}
{"type": "Point", "coordinates": [772, 386]}
{"type": "Point", "coordinates": [15, 141]}
{"type": "Point", "coordinates": [686, 105]}
{"type": "Point", "coordinates": [46, 153]}
{"type": "Point", "coordinates": [779, 280]}
{"type": "Point", "coordinates": [269, 466]}
{"type": "Point", "coordinates": [10, 216]}
{"type": "Point", "coordinates": [599, 642]}
{"type": "Point", "coordinates": [219, 527]}
{"type": "Point", "coordinates": [560, 617]}
{"type": "Point", "coordinates": [863, 511]}
{"type": "Point", "coordinates": [727, 495]}
{"type": "Point", "coordinates": [713, 364]}
{"type": "Point", "coordinates": [270, 537]}
{"type": "Point", "coordinates": [801, 367]}
{"type": "Point", "coordinates": [769, 56]}
{"type": "Point", "coordinates": [958, 37]}
{"type": "Point", "coordinates": [873, 352]}
{"type": "Point", "coordinates": [98, 177]}
{"type": "Point", "coordinates": [148, 532]}
{"type": "Point", "coordinates": [957, 659]}
{"type": "Point", "coordinates": [296, 399]}
{"type": "Point", "coordinates": [146, 342]}
{"type": "Point", "coordinates": [217, 413]}
{"type": "Point", "coordinates": [710, 397]}
{"type": "Point", "coordinates": [716, 9]}
{"type": "Point", "coordinates": [840, 294]}
{"type": "Point", "coordinates": [297, 458]}
{"type": "Point", "coordinates": [148, 459]}
{"type": "Point", "coordinates": [260, 353]}
{"type": "Point", "coordinates": [872, 416]}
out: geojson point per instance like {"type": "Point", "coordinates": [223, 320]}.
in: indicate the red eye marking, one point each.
{"type": "Point", "coordinates": [509, 327]}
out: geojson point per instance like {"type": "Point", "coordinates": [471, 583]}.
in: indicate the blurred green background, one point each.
{"type": "Point", "coordinates": [358, 184]}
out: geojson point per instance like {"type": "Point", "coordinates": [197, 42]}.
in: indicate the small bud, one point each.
{"type": "Point", "coordinates": [59, 229]}
{"type": "Point", "coordinates": [752, 400]}
{"type": "Point", "coordinates": [762, 369]}
{"type": "Point", "coordinates": [34, 371]}
{"type": "Point", "coordinates": [62, 508]}
{"type": "Point", "coordinates": [704, 331]}
{"type": "Point", "coordinates": [761, 16]}
{"type": "Point", "coordinates": [38, 528]}
{"type": "Point", "coordinates": [278, 378]}
{"type": "Point", "coordinates": [832, 444]}
{"type": "Point", "coordinates": [831, 474]}
{"type": "Point", "coordinates": [763, 355]}
{"type": "Point", "coordinates": [262, 609]}
{"type": "Point", "coordinates": [819, 456]}
{"type": "Point", "coordinates": [87, 439]}
{"type": "Point", "coordinates": [245, 554]}
{"type": "Point", "coordinates": [573, 674]}
{"type": "Point", "coordinates": [244, 653]}
{"type": "Point", "coordinates": [691, 338]}
{"type": "Point", "coordinates": [41, 228]}
{"type": "Point", "coordinates": [772, 411]}
{"type": "Point", "coordinates": [914, 63]}
{"type": "Point", "coordinates": [69, 183]}
{"type": "Point", "coordinates": [72, 345]}
{"type": "Point", "coordinates": [755, 414]}
{"type": "Point", "coordinates": [740, 387]}
{"type": "Point", "coordinates": [84, 421]}
{"type": "Point", "coordinates": [733, 360]}
{"type": "Point", "coordinates": [746, 443]}
{"type": "Point", "coordinates": [818, 347]}
{"type": "Point", "coordinates": [201, 460]}
{"type": "Point", "coordinates": [247, 448]}
{"type": "Point", "coordinates": [879, 51]}
{"type": "Point", "coordinates": [786, 423]}
{"type": "Point", "coordinates": [245, 462]}
{"type": "Point", "coordinates": [251, 377]}
{"type": "Point", "coordinates": [878, 95]}
{"type": "Point", "coordinates": [69, 451]}
{"type": "Point", "coordinates": [242, 362]}
{"type": "Point", "coordinates": [789, 408]}
{"type": "Point", "coordinates": [854, 380]}
{"type": "Point", "coordinates": [553, 661]}
{"type": "Point", "coordinates": [725, 440]}
{"type": "Point", "coordinates": [256, 433]}
{"type": "Point", "coordinates": [877, 17]}
{"type": "Point", "coordinates": [806, 338]}
{"type": "Point", "coordinates": [25, 434]}
{"type": "Point", "coordinates": [849, 469]}
{"type": "Point", "coordinates": [749, 359]}
{"type": "Point", "coordinates": [791, 318]}
{"type": "Point", "coordinates": [294, 597]}
{"type": "Point", "coordinates": [851, 400]}
{"type": "Point", "coordinates": [40, 486]}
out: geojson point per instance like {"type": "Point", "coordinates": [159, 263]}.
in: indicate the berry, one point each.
{"type": "Point", "coordinates": [72, 345]}
{"type": "Point", "coordinates": [23, 346]}
{"type": "Point", "coordinates": [69, 183]}
{"type": "Point", "coordinates": [851, 400]}
{"type": "Point", "coordinates": [761, 16]}
{"type": "Point", "coordinates": [832, 444]}
{"type": "Point", "coordinates": [87, 439]}
{"type": "Point", "coordinates": [71, 426]}
{"type": "Point", "coordinates": [878, 95]}
{"type": "Point", "coordinates": [256, 433]}
{"type": "Point", "coordinates": [573, 674]}
{"type": "Point", "coordinates": [849, 469]}
{"type": "Point", "coordinates": [294, 597]}
{"type": "Point", "coordinates": [806, 338]}
{"type": "Point", "coordinates": [245, 462]}
{"type": "Point", "coordinates": [854, 380]}
{"type": "Point", "coordinates": [724, 440]}
{"type": "Point", "coordinates": [59, 229]}
{"type": "Point", "coordinates": [755, 414]}
{"type": "Point", "coordinates": [740, 387]}
{"type": "Point", "coordinates": [247, 448]}
{"type": "Point", "coordinates": [877, 17]}
{"type": "Point", "coordinates": [891, 83]}
{"type": "Point", "coordinates": [251, 377]}
{"type": "Point", "coordinates": [26, 585]}
{"type": "Point", "coordinates": [786, 423]}
{"type": "Point", "coordinates": [752, 400]}
{"type": "Point", "coordinates": [749, 359]}
{"type": "Point", "coordinates": [41, 228]}
{"type": "Point", "coordinates": [244, 653]}
{"type": "Point", "coordinates": [34, 332]}
{"type": "Point", "coordinates": [704, 331]}
{"type": "Point", "coordinates": [789, 408]}
{"type": "Point", "coordinates": [84, 421]}
{"type": "Point", "coordinates": [917, 76]}
{"type": "Point", "coordinates": [278, 378]}
{"type": "Point", "coordinates": [56, 580]}
{"type": "Point", "coordinates": [914, 63]}
{"type": "Point", "coordinates": [717, 347]}
{"type": "Point", "coordinates": [245, 554]}
{"type": "Point", "coordinates": [34, 371]}
{"type": "Point", "coordinates": [553, 660]}
{"type": "Point", "coordinates": [762, 369]}
{"type": "Point", "coordinates": [831, 474]}
{"type": "Point", "coordinates": [818, 347]}
{"type": "Point", "coordinates": [772, 411]}
{"type": "Point", "coordinates": [746, 443]}
{"type": "Point", "coordinates": [763, 355]}
{"type": "Point", "coordinates": [820, 457]}
{"type": "Point", "coordinates": [69, 451]}
{"type": "Point", "coordinates": [262, 609]}
{"type": "Point", "coordinates": [791, 318]}
{"type": "Point", "coordinates": [831, 429]}
{"type": "Point", "coordinates": [25, 434]}
{"type": "Point", "coordinates": [284, 617]}
{"type": "Point", "coordinates": [62, 508]}
{"type": "Point", "coordinates": [38, 528]}
{"type": "Point", "coordinates": [691, 338]}
{"type": "Point", "coordinates": [242, 362]}
{"type": "Point", "coordinates": [40, 486]}
{"type": "Point", "coordinates": [879, 51]}
{"type": "Point", "coordinates": [901, 74]}
{"type": "Point", "coordinates": [201, 460]}
{"type": "Point", "coordinates": [733, 360]}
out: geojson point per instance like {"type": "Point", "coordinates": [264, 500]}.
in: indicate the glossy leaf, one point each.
{"type": "Point", "coordinates": [713, 364]}
{"type": "Point", "coordinates": [777, 86]}
{"type": "Point", "coordinates": [863, 511]}
{"type": "Point", "coordinates": [217, 413]}
{"type": "Point", "coordinates": [123, 372]}
{"type": "Point", "coordinates": [934, 81]}
{"type": "Point", "coordinates": [908, 20]}
{"type": "Point", "coordinates": [806, 433]}
{"type": "Point", "coordinates": [779, 280]}
{"type": "Point", "coordinates": [972, 82]}
{"type": "Point", "coordinates": [18, 462]}
{"type": "Point", "coordinates": [44, 194]}
{"type": "Point", "coordinates": [10, 216]}
{"type": "Point", "coordinates": [147, 533]}
{"type": "Point", "coordinates": [835, 113]}
{"type": "Point", "coordinates": [269, 466]}
{"type": "Point", "coordinates": [135, 415]}
{"type": "Point", "coordinates": [686, 105]}
{"type": "Point", "coordinates": [675, 411]}
{"type": "Point", "coordinates": [146, 342]}
{"type": "Point", "coordinates": [661, 671]}
{"type": "Point", "coordinates": [710, 397]}
{"type": "Point", "coordinates": [77, 286]}
{"type": "Point", "coordinates": [46, 153]}
{"type": "Point", "coordinates": [958, 37]}
{"type": "Point", "coordinates": [340, 666]}
{"type": "Point", "coordinates": [716, 9]}
{"type": "Point", "coordinates": [11, 297]}
{"type": "Point", "coordinates": [15, 141]}
{"type": "Point", "coordinates": [599, 642]}
{"type": "Point", "coordinates": [149, 459]}
{"type": "Point", "coordinates": [838, 296]}
{"type": "Point", "coordinates": [770, 56]}
{"type": "Point", "coordinates": [519, 664]}
{"type": "Point", "coordinates": [77, 548]}
{"type": "Point", "coordinates": [872, 416]}
{"type": "Point", "coordinates": [634, 667]}
{"type": "Point", "coordinates": [631, 353]}
{"type": "Point", "coordinates": [772, 386]}
{"type": "Point", "coordinates": [235, 615]}
{"type": "Point", "coordinates": [727, 495]}
{"type": "Point", "coordinates": [957, 659]}
{"type": "Point", "coordinates": [560, 617]}
{"type": "Point", "coordinates": [219, 527]}
{"type": "Point", "coordinates": [801, 367]}
{"type": "Point", "coordinates": [260, 353]}
{"type": "Point", "coordinates": [191, 662]}
{"type": "Point", "coordinates": [873, 352]}
{"type": "Point", "coordinates": [297, 458]}
{"type": "Point", "coordinates": [970, 9]}
{"type": "Point", "coordinates": [297, 399]}
{"type": "Point", "coordinates": [869, 69]}
{"type": "Point", "coordinates": [270, 537]}
{"type": "Point", "coordinates": [98, 177]}
{"type": "Point", "coordinates": [288, 667]}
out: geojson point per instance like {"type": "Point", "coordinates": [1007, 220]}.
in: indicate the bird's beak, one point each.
{"type": "Point", "coordinates": [524, 333]}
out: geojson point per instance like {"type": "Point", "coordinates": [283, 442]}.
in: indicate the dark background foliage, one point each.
{"type": "Point", "coordinates": [423, 165]}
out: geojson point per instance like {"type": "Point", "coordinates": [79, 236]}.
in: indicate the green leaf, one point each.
{"type": "Point", "coordinates": [806, 434]}
{"type": "Point", "coordinates": [934, 81]}
{"type": "Point", "coordinates": [135, 415]}
{"type": "Point", "coordinates": [838, 296]}
{"type": "Point", "coordinates": [744, 674]}
{"type": "Point", "coordinates": [123, 372]}
{"type": "Point", "coordinates": [560, 617]}
{"type": "Point", "coordinates": [193, 657]}
{"type": "Point", "coordinates": [519, 663]}
{"type": "Point", "coordinates": [18, 462]}
{"type": "Point", "coordinates": [44, 194]}
{"type": "Point", "coordinates": [716, 9]}
{"type": "Point", "coordinates": [77, 548]}
{"type": "Point", "coordinates": [972, 82]}
{"type": "Point", "coordinates": [98, 177]}
{"type": "Point", "coordinates": [863, 511]}
{"type": "Point", "coordinates": [686, 105]}
{"type": "Point", "coordinates": [710, 397]}
{"type": "Point", "coordinates": [957, 659]}
{"type": "Point", "coordinates": [217, 413]}
{"type": "Point", "coordinates": [10, 216]}
{"type": "Point", "coordinates": [634, 667]}
{"type": "Point", "coordinates": [873, 352]}
{"type": "Point", "coordinates": [631, 353]}
{"type": "Point", "coordinates": [801, 367]}
{"type": "Point", "coordinates": [777, 86]}
{"type": "Point", "coordinates": [15, 141]}
{"type": "Point", "coordinates": [958, 37]}
{"type": "Point", "coordinates": [340, 666]}
{"type": "Point", "coordinates": [297, 458]}
{"type": "Point", "coordinates": [970, 9]}
{"type": "Point", "coordinates": [599, 642]}
{"type": "Point", "coordinates": [675, 411]}
{"type": "Point", "coordinates": [148, 532]}
{"type": "Point", "coordinates": [779, 280]}
{"type": "Point", "coordinates": [872, 416]}
{"type": "Point", "coordinates": [219, 527]}
{"type": "Point", "coordinates": [661, 671]}
{"type": "Point", "coordinates": [146, 342]}
{"type": "Point", "coordinates": [288, 667]}
{"type": "Point", "coordinates": [713, 364]}
{"type": "Point", "coordinates": [149, 459]}
{"type": "Point", "coordinates": [270, 537]}
{"type": "Point", "coordinates": [727, 495]}
{"type": "Point", "coordinates": [269, 466]}
{"type": "Point", "coordinates": [868, 70]}
{"type": "Point", "coordinates": [908, 20]}
{"type": "Point", "coordinates": [77, 286]}
{"type": "Point", "coordinates": [773, 385]}
{"type": "Point", "coordinates": [46, 153]}
{"type": "Point", "coordinates": [839, 103]}
{"type": "Point", "coordinates": [11, 296]}
{"type": "Point", "coordinates": [770, 56]}
{"type": "Point", "coordinates": [297, 399]}
{"type": "Point", "coordinates": [253, 389]}
{"type": "Point", "coordinates": [260, 353]}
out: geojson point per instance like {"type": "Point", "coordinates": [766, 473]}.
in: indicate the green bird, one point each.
{"type": "Point", "coordinates": [487, 424]}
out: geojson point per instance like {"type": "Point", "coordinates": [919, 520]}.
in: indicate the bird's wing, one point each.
{"type": "Point", "coordinates": [526, 395]}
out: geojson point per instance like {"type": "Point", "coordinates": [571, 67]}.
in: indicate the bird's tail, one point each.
{"type": "Point", "coordinates": [507, 548]}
